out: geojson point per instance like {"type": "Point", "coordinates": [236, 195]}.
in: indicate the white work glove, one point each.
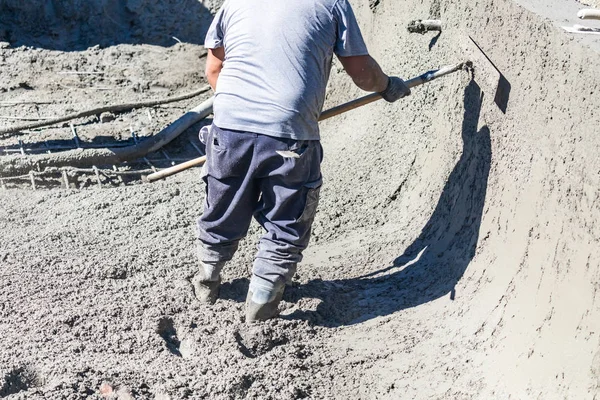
{"type": "Point", "coordinates": [395, 90]}
{"type": "Point", "coordinates": [203, 134]}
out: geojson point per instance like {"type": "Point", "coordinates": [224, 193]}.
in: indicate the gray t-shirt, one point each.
{"type": "Point", "coordinates": [277, 62]}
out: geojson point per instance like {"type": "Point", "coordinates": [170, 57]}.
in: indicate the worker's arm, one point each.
{"type": "Point", "coordinates": [368, 75]}
{"type": "Point", "coordinates": [214, 65]}
{"type": "Point", "coordinates": [365, 72]}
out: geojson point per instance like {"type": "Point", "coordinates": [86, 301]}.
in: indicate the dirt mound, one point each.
{"type": "Point", "coordinates": [455, 251]}
{"type": "Point", "coordinates": [76, 25]}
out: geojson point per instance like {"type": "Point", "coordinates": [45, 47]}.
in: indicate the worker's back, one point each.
{"type": "Point", "coordinates": [277, 62]}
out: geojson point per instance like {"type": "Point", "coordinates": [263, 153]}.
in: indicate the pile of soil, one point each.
{"type": "Point", "coordinates": [73, 25]}
{"type": "Point", "coordinates": [455, 250]}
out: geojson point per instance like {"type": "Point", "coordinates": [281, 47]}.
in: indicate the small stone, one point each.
{"type": "Point", "coordinates": [107, 117]}
{"type": "Point", "coordinates": [106, 389]}
{"type": "Point", "coordinates": [124, 394]}
{"type": "Point", "coordinates": [186, 348]}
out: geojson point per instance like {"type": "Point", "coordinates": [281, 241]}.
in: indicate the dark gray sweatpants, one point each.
{"type": "Point", "coordinates": [276, 180]}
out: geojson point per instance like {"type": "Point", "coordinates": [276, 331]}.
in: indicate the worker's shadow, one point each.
{"type": "Point", "coordinates": [432, 265]}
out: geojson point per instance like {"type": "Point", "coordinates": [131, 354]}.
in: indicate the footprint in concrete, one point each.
{"type": "Point", "coordinates": [166, 330]}
{"type": "Point", "coordinates": [118, 272]}
{"type": "Point", "coordinates": [254, 341]}
{"type": "Point", "coordinates": [240, 386]}
{"type": "Point", "coordinates": [18, 380]}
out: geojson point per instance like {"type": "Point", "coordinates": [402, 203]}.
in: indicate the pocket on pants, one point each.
{"type": "Point", "coordinates": [313, 190]}
{"type": "Point", "coordinates": [222, 157]}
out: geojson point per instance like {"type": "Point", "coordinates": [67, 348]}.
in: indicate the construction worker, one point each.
{"type": "Point", "coordinates": [268, 62]}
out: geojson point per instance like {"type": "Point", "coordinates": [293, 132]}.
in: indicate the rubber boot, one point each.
{"type": "Point", "coordinates": [262, 303]}
{"type": "Point", "coordinates": [207, 282]}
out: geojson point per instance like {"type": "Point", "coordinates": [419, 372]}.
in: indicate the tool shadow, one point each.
{"type": "Point", "coordinates": [432, 265]}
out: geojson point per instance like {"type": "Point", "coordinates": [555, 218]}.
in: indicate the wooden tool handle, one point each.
{"type": "Point", "coordinates": [351, 105]}
{"type": "Point", "coordinates": [411, 83]}
{"type": "Point", "coordinates": [163, 173]}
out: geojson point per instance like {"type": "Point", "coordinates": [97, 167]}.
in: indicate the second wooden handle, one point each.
{"type": "Point", "coordinates": [176, 168]}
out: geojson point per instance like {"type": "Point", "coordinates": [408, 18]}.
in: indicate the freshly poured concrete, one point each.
{"type": "Point", "coordinates": [454, 255]}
